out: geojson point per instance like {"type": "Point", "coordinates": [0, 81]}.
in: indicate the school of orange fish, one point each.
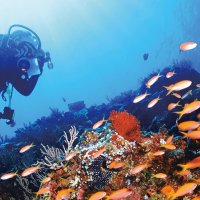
{"type": "Point", "coordinates": [189, 129]}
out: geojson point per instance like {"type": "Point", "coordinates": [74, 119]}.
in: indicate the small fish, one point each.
{"type": "Point", "coordinates": [71, 155]}
{"type": "Point", "coordinates": [63, 194]}
{"type": "Point", "coordinates": [198, 116]}
{"type": "Point", "coordinates": [116, 165]}
{"type": "Point", "coordinates": [139, 168]}
{"type": "Point", "coordinates": [169, 139]}
{"type": "Point", "coordinates": [153, 102]}
{"type": "Point", "coordinates": [194, 135]}
{"type": "Point", "coordinates": [119, 194]}
{"type": "Point", "coordinates": [46, 180]}
{"type": "Point", "coordinates": [183, 190]}
{"type": "Point", "coordinates": [188, 125]}
{"type": "Point", "coordinates": [184, 173]}
{"type": "Point", "coordinates": [8, 175]}
{"type": "Point", "coordinates": [171, 106]}
{"type": "Point", "coordinates": [177, 95]}
{"type": "Point", "coordinates": [64, 100]}
{"type": "Point", "coordinates": [178, 86]}
{"type": "Point", "coordinates": [145, 56]}
{"type": "Point", "coordinates": [99, 152]}
{"type": "Point", "coordinates": [198, 85]}
{"type": "Point", "coordinates": [160, 175]}
{"type": "Point", "coordinates": [98, 124]}
{"type": "Point", "coordinates": [196, 198]}
{"type": "Point", "coordinates": [195, 163]}
{"type": "Point", "coordinates": [98, 196]}
{"type": "Point", "coordinates": [168, 190]}
{"type": "Point", "coordinates": [140, 98]}
{"type": "Point", "coordinates": [170, 74]}
{"type": "Point", "coordinates": [30, 170]}
{"type": "Point", "coordinates": [151, 81]}
{"type": "Point", "coordinates": [168, 146]}
{"type": "Point", "coordinates": [187, 46]}
{"type": "Point", "coordinates": [187, 94]}
{"type": "Point", "coordinates": [26, 148]}
{"type": "Point", "coordinates": [189, 108]}
{"type": "Point", "coordinates": [43, 190]}
{"type": "Point", "coordinates": [158, 153]}
{"type": "Point", "coordinates": [197, 181]}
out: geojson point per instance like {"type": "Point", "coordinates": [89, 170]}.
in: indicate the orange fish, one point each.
{"type": "Point", "coordinates": [170, 74]}
{"type": "Point", "coordinates": [116, 165]}
{"type": "Point", "coordinates": [177, 95]}
{"type": "Point", "coordinates": [99, 152]}
{"type": "Point", "coordinates": [189, 108]}
{"type": "Point", "coordinates": [26, 148]}
{"type": "Point", "coordinates": [194, 135]}
{"type": "Point", "coordinates": [196, 198]}
{"type": "Point", "coordinates": [71, 155]}
{"type": "Point", "coordinates": [98, 196]}
{"type": "Point", "coordinates": [43, 190]}
{"type": "Point", "coordinates": [139, 168]}
{"type": "Point", "coordinates": [98, 124]}
{"type": "Point", "coordinates": [158, 153]}
{"type": "Point", "coordinates": [63, 194]}
{"type": "Point", "coordinates": [8, 175]}
{"type": "Point", "coordinates": [168, 190]}
{"type": "Point", "coordinates": [151, 81]}
{"type": "Point", "coordinates": [178, 86]}
{"type": "Point", "coordinates": [184, 173]}
{"type": "Point", "coordinates": [188, 125]}
{"type": "Point", "coordinates": [46, 180]}
{"type": "Point", "coordinates": [169, 139]}
{"type": "Point", "coordinates": [119, 194]}
{"type": "Point", "coordinates": [140, 98]}
{"type": "Point", "coordinates": [197, 181]}
{"type": "Point", "coordinates": [171, 106]}
{"type": "Point", "coordinates": [187, 46]}
{"type": "Point", "coordinates": [30, 170]}
{"type": "Point", "coordinates": [153, 102]}
{"type": "Point", "coordinates": [168, 146]}
{"type": "Point", "coordinates": [195, 163]}
{"type": "Point", "coordinates": [160, 175]}
{"type": "Point", "coordinates": [183, 190]}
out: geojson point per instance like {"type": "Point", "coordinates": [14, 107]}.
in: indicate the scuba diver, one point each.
{"type": "Point", "coordinates": [21, 64]}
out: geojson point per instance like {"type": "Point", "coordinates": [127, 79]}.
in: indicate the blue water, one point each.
{"type": "Point", "coordinates": [97, 47]}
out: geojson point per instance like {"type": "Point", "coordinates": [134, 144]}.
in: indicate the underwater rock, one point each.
{"type": "Point", "coordinates": [77, 106]}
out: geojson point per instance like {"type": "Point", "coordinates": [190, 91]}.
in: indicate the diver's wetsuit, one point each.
{"type": "Point", "coordinates": [10, 74]}
{"type": "Point", "coordinates": [21, 62]}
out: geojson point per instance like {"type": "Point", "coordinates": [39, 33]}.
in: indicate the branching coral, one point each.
{"type": "Point", "coordinates": [125, 125]}
{"type": "Point", "coordinates": [54, 157]}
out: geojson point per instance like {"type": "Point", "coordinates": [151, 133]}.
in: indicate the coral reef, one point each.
{"type": "Point", "coordinates": [77, 106]}
{"type": "Point", "coordinates": [81, 159]}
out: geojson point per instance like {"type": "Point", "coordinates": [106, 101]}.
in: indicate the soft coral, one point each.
{"type": "Point", "coordinates": [125, 125]}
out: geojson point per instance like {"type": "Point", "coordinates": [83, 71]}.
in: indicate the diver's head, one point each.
{"type": "Point", "coordinates": [28, 58]}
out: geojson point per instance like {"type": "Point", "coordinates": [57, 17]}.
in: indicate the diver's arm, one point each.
{"type": "Point", "coordinates": [25, 87]}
